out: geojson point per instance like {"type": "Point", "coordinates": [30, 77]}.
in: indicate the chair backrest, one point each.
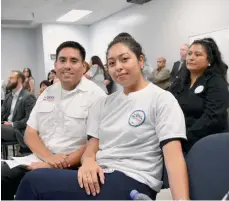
{"type": "Point", "coordinates": [208, 167]}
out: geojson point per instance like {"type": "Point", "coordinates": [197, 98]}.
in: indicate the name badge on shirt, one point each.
{"type": "Point", "coordinates": [199, 89]}
{"type": "Point", "coordinates": [137, 118]}
{"type": "Point", "coordinates": [49, 98]}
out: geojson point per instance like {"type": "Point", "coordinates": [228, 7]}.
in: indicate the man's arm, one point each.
{"type": "Point", "coordinates": [74, 158]}
{"type": "Point", "coordinates": [33, 141]}
{"type": "Point", "coordinates": [3, 108]}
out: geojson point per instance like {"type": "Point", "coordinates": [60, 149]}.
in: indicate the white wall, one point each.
{"type": "Point", "coordinates": [54, 35]}
{"type": "Point", "coordinates": [40, 56]}
{"type": "Point", "coordinates": [161, 26]}
{"type": "Point", "coordinates": [18, 51]}
{"type": "Point", "coordinates": [32, 48]}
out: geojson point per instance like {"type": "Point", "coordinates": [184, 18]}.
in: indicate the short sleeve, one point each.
{"type": "Point", "coordinates": [170, 122]}
{"type": "Point", "coordinates": [94, 117]}
{"type": "Point", "coordinates": [32, 122]}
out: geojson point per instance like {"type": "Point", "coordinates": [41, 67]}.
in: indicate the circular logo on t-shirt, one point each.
{"type": "Point", "coordinates": [199, 89]}
{"type": "Point", "coordinates": [137, 118]}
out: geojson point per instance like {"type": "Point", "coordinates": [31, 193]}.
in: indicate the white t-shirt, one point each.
{"type": "Point", "coordinates": [130, 129]}
{"type": "Point", "coordinates": [60, 116]}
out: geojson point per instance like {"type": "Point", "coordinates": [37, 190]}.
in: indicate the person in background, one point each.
{"type": "Point", "coordinates": [203, 94]}
{"type": "Point", "coordinates": [130, 132]}
{"type": "Point", "coordinates": [52, 77]}
{"type": "Point", "coordinates": [97, 72]}
{"type": "Point", "coordinates": [161, 75]}
{"type": "Point", "coordinates": [87, 67]}
{"type": "Point", "coordinates": [29, 81]}
{"type": "Point", "coordinates": [56, 129]}
{"type": "Point", "coordinates": [16, 109]}
{"type": "Point", "coordinates": [3, 91]}
{"type": "Point", "coordinates": [43, 85]}
{"type": "Point", "coordinates": [179, 67]}
{"type": "Point", "coordinates": [108, 81]}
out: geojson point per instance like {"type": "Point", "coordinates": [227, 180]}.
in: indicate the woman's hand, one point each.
{"type": "Point", "coordinates": [88, 175]}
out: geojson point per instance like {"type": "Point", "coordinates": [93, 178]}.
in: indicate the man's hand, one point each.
{"type": "Point", "coordinates": [58, 161]}
{"type": "Point", "coordinates": [37, 165]}
{"type": "Point", "coordinates": [88, 176]}
{"type": "Point", "coordinates": [6, 123]}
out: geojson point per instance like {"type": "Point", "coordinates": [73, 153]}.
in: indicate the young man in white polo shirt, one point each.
{"type": "Point", "coordinates": [56, 129]}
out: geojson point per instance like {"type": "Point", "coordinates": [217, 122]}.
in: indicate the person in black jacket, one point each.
{"type": "Point", "coordinates": [179, 67]}
{"type": "Point", "coordinates": [203, 94]}
{"type": "Point", "coordinates": [16, 109]}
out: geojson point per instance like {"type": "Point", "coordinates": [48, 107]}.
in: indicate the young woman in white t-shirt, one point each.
{"type": "Point", "coordinates": [131, 131]}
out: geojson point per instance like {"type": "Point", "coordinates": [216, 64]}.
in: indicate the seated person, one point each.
{"type": "Point", "coordinates": [56, 129]}
{"type": "Point", "coordinates": [16, 109]}
{"type": "Point", "coordinates": [131, 131]}
{"type": "Point", "coordinates": [161, 75]}
{"type": "Point", "coordinates": [43, 85]}
{"type": "Point", "coordinates": [203, 94]}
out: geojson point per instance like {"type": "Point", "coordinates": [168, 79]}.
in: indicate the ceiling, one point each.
{"type": "Point", "coordinates": [30, 13]}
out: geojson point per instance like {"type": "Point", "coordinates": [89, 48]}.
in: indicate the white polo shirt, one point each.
{"type": "Point", "coordinates": [130, 129]}
{"type": "Point", "coordinates": [60, 116]}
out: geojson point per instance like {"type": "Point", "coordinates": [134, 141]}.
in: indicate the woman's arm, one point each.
{"type": "Point", "coordinates": [90, 171]}
{"type": "Point", "coordinates": [31, 84]}
{"type": "Point", "coordinates": [177, 170]}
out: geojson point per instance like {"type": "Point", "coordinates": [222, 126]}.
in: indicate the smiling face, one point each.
{"type": "Point", "coordinates": [123, 65]}
{"type": "Point", "coordinates": [197, 60]}
{"type": "Point", "coordinates": [69, 67]}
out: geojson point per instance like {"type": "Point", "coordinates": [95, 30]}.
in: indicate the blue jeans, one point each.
{"type": "Point", "coordinates": [56, 184]}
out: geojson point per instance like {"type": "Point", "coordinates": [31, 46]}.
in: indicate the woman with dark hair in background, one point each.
{"type": "Point", "coordinates": [97, 72]}
{"type": "Point", "coordinates": [203, 94]}
{"type": "Point", "coordinates": [43, 85]}
{"type": "Point", "coordinates": [52, 77]}
{"type": "Point", "coordinates": [29, 81]}
{"type": "Point", "coordinates": [108, 81]}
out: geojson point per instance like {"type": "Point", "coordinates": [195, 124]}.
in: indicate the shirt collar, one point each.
{"type": "Point", "coordinates": [16, 92]}
{"type": "Point", "coordinates": [82, 86]}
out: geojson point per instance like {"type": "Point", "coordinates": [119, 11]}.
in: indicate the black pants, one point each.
{"type": "Point", "coordinates": [56, 184]}
{"type": "Point", "coordinates": [8, 133]}
{"type": "Point", "coordinates": [11, 134]}
{"type": "Point", "coordinates": [10, 180]}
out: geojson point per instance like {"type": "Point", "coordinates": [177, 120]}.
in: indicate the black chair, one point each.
{"type": "Point", "coordinates": [5, 148]}
{"type": "Point", "coordinates": [208, 167]}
